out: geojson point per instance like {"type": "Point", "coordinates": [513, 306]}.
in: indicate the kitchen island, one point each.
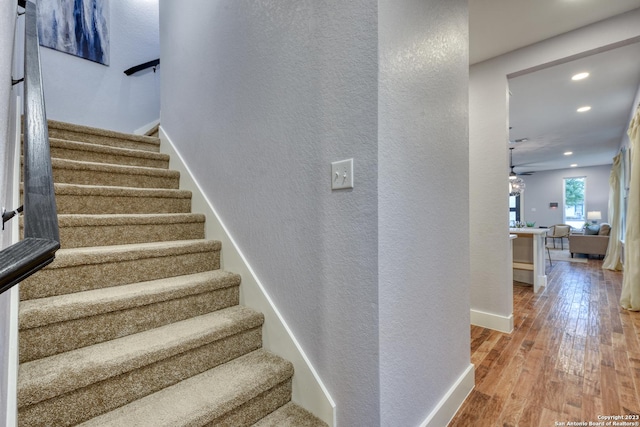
{"type": "Point", "coordinates": [528, 256]}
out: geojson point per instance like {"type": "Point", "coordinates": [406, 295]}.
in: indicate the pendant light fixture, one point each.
{"type": "Point", "coordinates": [516, 184]}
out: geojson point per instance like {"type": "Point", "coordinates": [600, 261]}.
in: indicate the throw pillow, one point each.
{"type": "Point", "coordinates": [605, 229]}
{"type": "Point", "coordinates": [591, 230]}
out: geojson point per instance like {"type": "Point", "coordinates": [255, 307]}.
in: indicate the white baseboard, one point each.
{"type": "Point", "coordinates": [308, 390]}
{"type": "Point", "coordinates": [492, 321]}
{"type": "Point", "coordinates": [12, 374]}
{"type": "Point", "coordinates": [451, 402]}
{"type": "Point", "coordinates": [146, 128]}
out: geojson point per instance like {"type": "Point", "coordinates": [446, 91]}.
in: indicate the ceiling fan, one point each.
{"type": "Point", "coordinates": [513, 174]}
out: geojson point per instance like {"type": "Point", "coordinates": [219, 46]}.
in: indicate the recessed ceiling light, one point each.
{"type": "Point", "coordinates": [568, 153]}
{"type": "Point", "coordinates": [583, 109]}
{"type": "Point", "coordinates": [573, 165]}
{"type": "Point", "coordinates": [580, 76]}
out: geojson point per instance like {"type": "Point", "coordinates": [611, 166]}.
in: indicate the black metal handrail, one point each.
{"type": "Point", "coordinates": [41, 235]}
{"type": "Point", "coordinates": [143, 66]}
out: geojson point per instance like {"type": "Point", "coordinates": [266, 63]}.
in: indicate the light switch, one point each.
{"type": "Point", "coordinates": [342, 174]}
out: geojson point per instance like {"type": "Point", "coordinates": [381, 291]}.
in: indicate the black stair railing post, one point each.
{"type": "Point", "coordinates": [41, 234]}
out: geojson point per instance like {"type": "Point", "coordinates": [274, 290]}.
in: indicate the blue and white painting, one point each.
{"type": "Point", "coordinates": [78, 27]}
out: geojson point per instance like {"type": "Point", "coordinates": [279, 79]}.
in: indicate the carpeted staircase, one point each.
{"type": "Point", "coordinates": [135, 324]}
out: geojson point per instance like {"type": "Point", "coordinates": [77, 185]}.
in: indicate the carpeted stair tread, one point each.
{"type": "Point", "coordinates": [98, 398]}
{"type": "Point", "coordinates": [60, 308]}
{"type": "Point", "coordinates": [118, 253]}
{"type": "Point", "coordinates": [82, 151]}
{"type": "Point", "coordinates": [92, 199]}
{"type": "Point", "coordinates": [290, 415]}
{"type": "Point", "coordinates": [57, 324]}
{"type": "Point", "coordinates": [94, 135]}
{"type": "Point", "coordinates": [81, 269]}
{"type": "Point", "coordinates": [52, 376]}
{"type": "Point", "coordinates": [210, 397]}
{"type": "Point", "coordinates": [89, 173]}
{"type": "Point", "coordinates": [112, 229]}
{"type": "Point", "coordinates": [134, 323]}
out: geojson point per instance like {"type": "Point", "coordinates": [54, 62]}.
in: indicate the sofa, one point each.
{"type": "Point", "coordinates": [594, 241]}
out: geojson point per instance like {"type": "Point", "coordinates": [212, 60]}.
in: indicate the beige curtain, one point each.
{"type": "Point", "coordinates": [630, 298]}
{"type": "Point", "coordinates": [614, 250]}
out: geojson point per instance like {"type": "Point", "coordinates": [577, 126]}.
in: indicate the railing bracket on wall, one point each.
{"type": "Point", "coordinates": [7, 215]}
{"type": "Point", "coordinates": [15, 82]}
{"type": "Point", "coordinates": [140, 67]}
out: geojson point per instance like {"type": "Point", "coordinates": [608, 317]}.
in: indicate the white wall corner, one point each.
{"type": "Point", "coordinates": [452, 401]}
{"type": "Point", "coordinates": [492, 321]}
{"type": "Point", "coordinates": [14, 293]}
{"type": "Point", "coordinates": [308, 389]}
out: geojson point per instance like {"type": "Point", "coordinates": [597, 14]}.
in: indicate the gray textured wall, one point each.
{"type": "Point", "coordinates": [84, 92]}
{"type": "Point", "coordinates": [260, 97]}
{"type": "Point", "coordinates": [423, 203]}
{"type": "Point", "coordinates": [546, 186]}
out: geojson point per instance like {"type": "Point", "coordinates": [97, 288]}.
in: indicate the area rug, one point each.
{"type": "Point", "coordinates": [565, 255]}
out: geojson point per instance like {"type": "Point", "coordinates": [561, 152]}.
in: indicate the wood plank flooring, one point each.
{"type": "Point", "coordinates": [574, 354]}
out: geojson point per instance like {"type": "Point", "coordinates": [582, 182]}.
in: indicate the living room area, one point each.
{"type": "Point", "coordinates": [568, 140]}
{"type": "Point", "coordinates": [547, 356]}
{"type": "Point", "coordinates": [573, 205]}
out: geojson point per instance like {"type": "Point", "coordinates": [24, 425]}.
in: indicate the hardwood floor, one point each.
{"type": "Point", "coordinates": [573, 355]}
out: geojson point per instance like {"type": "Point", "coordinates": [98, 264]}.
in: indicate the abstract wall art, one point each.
{"type": "Point", "coordinates": [77, 27]}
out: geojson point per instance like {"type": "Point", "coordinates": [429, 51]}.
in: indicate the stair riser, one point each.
{"type": "Point", "coordinates": [116, 178]}
{"type": "Point", "coordinates": [103, 140]}
{"type": "Point", "coordinates": [79, 237]}
{"type": "Point", "coordinates": [98, 398]}
{"type": "Point", "coordinates": [64, 336]}
{"type": "Point", "coordinates": [96, 157]}
{"type": "Point", "coordinates": [256, 408]}
{"type": "Point", "coordinates": [59, 281]}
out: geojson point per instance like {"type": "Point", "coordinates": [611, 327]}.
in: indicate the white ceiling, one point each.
{"type": "Point", "coordinates": [543, 103]}
{"type": "Point", "coordinates": [500, 26]}
{"type": "Point", "coordinates": [543, 108]}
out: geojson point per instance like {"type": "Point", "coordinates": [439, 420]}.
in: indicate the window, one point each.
{"type": "Point", "coordinates": [514, 209]}
{"type": "Point", "coordinates": [574, 203]}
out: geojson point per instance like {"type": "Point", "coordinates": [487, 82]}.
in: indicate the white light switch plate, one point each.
{"type": "Point", "coordinates": [342, 174]}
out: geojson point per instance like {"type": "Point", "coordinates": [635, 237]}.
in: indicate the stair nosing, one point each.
{"type": "Point", "coordinates": [41, 380]}
{"type": "Point", "coordinates": [289, 410]}
{"type": "Point", "coordinates": [107, 149]}
{"type": "Point", "coordinates": [68, 257]}
{"type": "Point", "coordinates": [114, 190]}
{"type": "Point", "coordinates": [96, 220]}
{"type": "Point", "coordinates": [81, 165]}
